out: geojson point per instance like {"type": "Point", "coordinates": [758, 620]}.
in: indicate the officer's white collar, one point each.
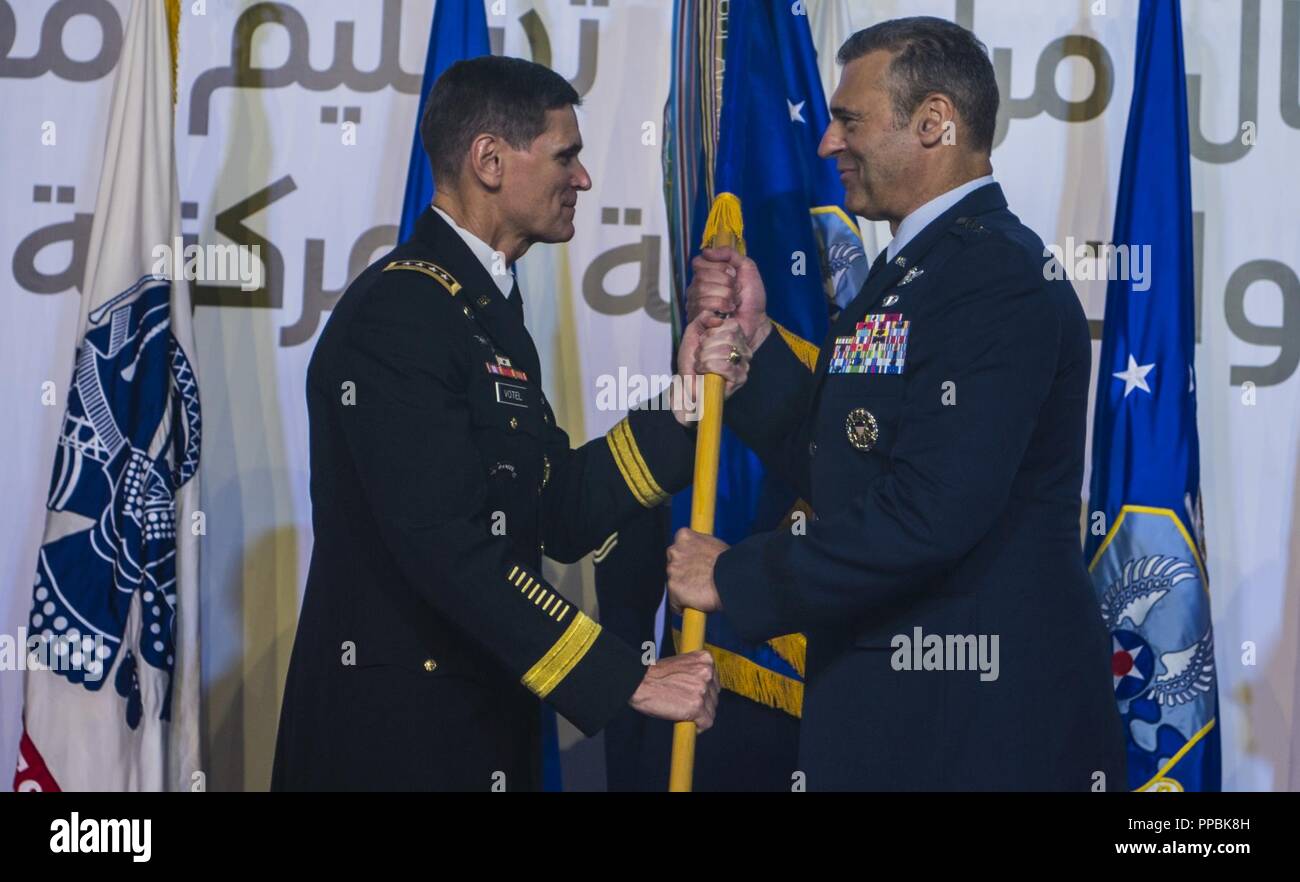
{"type": "Point", "coordinates": [485, 254]}
{"type": "Point", "coordinates": [925, 215]}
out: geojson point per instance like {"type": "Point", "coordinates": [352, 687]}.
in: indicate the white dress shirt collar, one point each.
{"type": "Point", "coordinates": [484, 252]}
{"type": "Point", "coordinates": [922, 217]}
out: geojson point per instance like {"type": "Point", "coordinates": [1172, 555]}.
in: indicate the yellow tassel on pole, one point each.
{"type": "Point", "coordinates": [724, 228]}
{"type": "Point", "coordinates": [174, 38]}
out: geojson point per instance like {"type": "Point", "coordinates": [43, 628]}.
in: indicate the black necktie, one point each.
{"type": "Point", "coordinates": [516, 299]}
{"type": "Point", "coordinates": [881, 259]}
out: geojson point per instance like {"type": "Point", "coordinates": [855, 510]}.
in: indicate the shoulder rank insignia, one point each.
{"type": "Point", "coordinates": [970, 225]}
{"type": "Point", "coordinates": [432, 270]}
{"type": "Point", "coordinates": [878, 346]}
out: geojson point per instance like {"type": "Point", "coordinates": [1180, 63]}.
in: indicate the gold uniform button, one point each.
{"type": "Point", "coordinates": [514, 422]}
{"type": "Point", "coordinates": [430, 665]}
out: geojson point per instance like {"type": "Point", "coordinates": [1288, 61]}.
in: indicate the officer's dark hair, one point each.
{"type": "Point", "coordinates": [507, 97]}
{"type": "Point", "coordinates": [932, 55]}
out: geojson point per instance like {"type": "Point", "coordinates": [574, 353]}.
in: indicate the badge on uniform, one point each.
{"type": "Point", "coordinates": [878, 346]}
{"type": "Point", "coordinates": [861, 427]}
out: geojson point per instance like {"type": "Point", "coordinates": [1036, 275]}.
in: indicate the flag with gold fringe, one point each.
{"type": "Point", "coordinates": [742, 125]}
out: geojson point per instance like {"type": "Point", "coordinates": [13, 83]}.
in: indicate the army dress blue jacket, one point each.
{"type": "Point", "coordinates": [438, 478]}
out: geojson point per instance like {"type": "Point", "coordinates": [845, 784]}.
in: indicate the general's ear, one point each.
{"type": "Point", "coordinates": [935, 119]}
{"type": "Point", "coordinates": [485, 159]}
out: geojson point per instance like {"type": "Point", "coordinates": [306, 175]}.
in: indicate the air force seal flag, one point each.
{"type": "Point", "coordinates": [1146, 550]}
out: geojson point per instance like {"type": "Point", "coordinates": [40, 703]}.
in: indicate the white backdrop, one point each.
{"type": "Point", "coordinates": [311, 167]}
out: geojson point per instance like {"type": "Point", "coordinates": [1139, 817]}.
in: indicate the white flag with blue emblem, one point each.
{"type": "Point", "coordinates": [111, 696]}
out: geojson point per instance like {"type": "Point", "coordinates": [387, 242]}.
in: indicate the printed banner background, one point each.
{"type": "Point", "coordinates": [311, 165]}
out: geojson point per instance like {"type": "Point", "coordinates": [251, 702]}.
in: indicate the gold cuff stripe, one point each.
{"type": "Point", "coordinates": [534, 588]}
{"type": "Point", "coordinates": [803, 350]}
{"type": "Point", "coordinates": [632, 465]}
{"type": "Point", "coordinates": [562, 613]}
{"type": "Point", "coordinates": [562, 657]}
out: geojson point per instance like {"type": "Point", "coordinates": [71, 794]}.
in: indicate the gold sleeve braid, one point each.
{"type": "Point", "coordinates": [565, 653]}
{"type": "Point", "coordinates": [632, 465]}
{"type": "Point", "coordinates": [562, 657]}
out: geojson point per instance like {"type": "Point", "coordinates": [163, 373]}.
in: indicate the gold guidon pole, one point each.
{"type": "Point", "coordinates": [704, 498]}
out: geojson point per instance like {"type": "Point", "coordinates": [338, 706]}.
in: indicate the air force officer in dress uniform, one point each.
{"type": "Point", "coordinates": [428, 633]}
{"type": "Point", "coordinates": [954, 641]}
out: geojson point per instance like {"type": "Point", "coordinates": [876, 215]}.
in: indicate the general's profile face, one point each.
{"type": "Point", "coordinates": [870, 151]}
{"type": "Point", "coordinates": [541, 184]}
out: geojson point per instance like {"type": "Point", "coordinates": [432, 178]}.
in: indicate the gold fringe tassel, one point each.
{"type": "Point", "coordinates": [803, 350]}
{"type": "Point", "coordinates": [725, 218]}
{"type": "Point", "coordinates": [755, 682]}
{"type": "Point", "coordinates": [793, 648]}
{"type": "Point", "coordinates": [174, 39]}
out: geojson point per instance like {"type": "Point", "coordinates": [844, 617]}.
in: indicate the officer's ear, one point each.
{"type": "Point", "coordinates": [935, 120]}
{"type": "Point", "coordinates": [486, 160]}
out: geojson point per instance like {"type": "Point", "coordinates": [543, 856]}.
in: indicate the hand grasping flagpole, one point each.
{"type": "Point", "coordinates": [739, 68]}
{"type": "Point", "coordinates": [723, 230]}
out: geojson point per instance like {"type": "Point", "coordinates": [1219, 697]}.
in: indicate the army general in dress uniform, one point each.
{"type": "Point", "coordinates": [938, 434]}
{"type": "Point", "coordinates": [439, 478]}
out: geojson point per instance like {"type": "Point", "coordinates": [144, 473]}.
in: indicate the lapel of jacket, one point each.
{"type": "Point", "coordinates": [480, 293]}
{"type": "Point", "coordinates": [985, 199]}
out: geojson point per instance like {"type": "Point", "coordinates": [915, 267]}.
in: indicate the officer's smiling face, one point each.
{"type": "Point", "coordinates": [540, 185]}
{"type": "Point", "coordinates": [875, 157]}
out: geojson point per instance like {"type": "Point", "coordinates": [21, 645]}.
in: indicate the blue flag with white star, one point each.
{"type": "Point", "coordinates": [1145, 545]}
{"type": "Point", "coordinates": [459, 31]}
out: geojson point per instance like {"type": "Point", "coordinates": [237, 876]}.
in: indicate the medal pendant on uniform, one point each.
{"type": "Point", "coordinates": [861, 427]}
